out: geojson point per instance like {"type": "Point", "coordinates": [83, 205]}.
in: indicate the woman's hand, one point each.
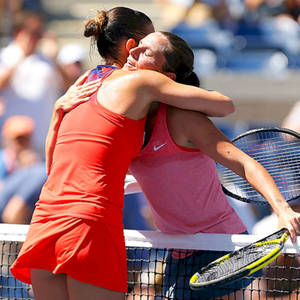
{"type": "Point", "coordinates": [77, 93]}
{"type": "Point", "coordinates": [290, 220]}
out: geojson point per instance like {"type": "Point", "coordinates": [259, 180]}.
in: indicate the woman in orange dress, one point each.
{"type": "Point", "coordinates": [75, 246]}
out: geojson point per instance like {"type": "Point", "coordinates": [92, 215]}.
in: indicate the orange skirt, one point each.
{"type": "Point", "coordinates": [88, 251]}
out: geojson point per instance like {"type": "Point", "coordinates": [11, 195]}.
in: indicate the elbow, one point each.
{"type": "Point", "coordinates": [224, 105]}
{"type": "Point", "coordinates": [228, 107]}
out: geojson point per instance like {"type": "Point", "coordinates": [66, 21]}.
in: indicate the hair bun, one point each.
{"type": "Point", "coordinates": [94, 27]}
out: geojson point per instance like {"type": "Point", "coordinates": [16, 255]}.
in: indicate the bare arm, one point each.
{"type": "Point", "coordinates": [136, 91]}
{"type": "Point", "coordinates": [211, 103]}
{"type": "Point", "coordinates": [27, 46]}
{"type": "Point", "coordinates": [56, 119]}
{"type": "Point", "coordinates": [203, 135]}
{"type": "Point", "coordinates": [17, 211]}
{"type": "Point", "coordinates": [76, 94]}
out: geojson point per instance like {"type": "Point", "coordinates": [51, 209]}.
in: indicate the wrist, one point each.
{"type": "Point", "coordinates": [284, 208]}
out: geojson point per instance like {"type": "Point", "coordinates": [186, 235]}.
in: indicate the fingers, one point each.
{"type": "Point", "coordinates": [79, 91]}
{"type": "Point", "coordinates": [291, 221]}
{"type": "Point", "coordinates": [293, 235]}
{"type": "Point", "coordinates": [87, 90]}
{"type": "Point", "coordinates": [296, 227]}
{"type": "Point", "coordinates": [82, 78]}
{"type": "Point", "coordinates": [88, 87]}
{"type": "Point", "coordinates": [87, 93]}
{"type": "Point", "coordinates": [96, 82]}
{"type": "Point", "coordinates": [78, 94]}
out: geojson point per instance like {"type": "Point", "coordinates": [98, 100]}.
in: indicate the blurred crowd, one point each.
{"type": "Point", "coordinates": [238, 35]}
{"type": "Point", "coordinates": [34, 71]}
{"type": "Point", "coordinates": [228, 13]}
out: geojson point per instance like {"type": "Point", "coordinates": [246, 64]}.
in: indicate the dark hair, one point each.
{"type": "Point", "coordinates": [180, 60]}
{"type": "Point", "coordinates": [110, 27]}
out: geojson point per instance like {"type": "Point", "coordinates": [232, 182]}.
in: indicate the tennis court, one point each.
{"type": "Point", "coordinates": [147, 252]}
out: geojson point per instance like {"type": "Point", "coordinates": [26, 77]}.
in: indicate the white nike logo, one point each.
{"type": "Point", "coordinates": [155, 148]}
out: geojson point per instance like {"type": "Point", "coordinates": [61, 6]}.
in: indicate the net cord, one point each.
{"type": "Point", "coordinates": [156, 239]}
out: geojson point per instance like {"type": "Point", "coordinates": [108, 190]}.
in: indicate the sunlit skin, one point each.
{"type": "Point", "coordinates": [124, 51]}
{"type": "Point", "coordinates": [149, 54]}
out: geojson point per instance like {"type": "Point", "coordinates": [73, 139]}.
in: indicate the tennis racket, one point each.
{"type": "Point", "coordinates": [240, 263]}
{"type": "Point", "coordinates": [278, 150]}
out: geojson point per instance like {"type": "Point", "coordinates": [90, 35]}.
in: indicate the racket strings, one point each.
{"type": "Point", "coordinates": [276, 163]}
{"type": "Point", "coordinates": [288, 186]}
{"type": "Point", "coordinates": [282, 157]}
{"type": "Point", "coordinates": [278, 153]}
{"type": "Point", "coordinates": [236, 262]}
{"type": "Point", "coordinates": [230, 176]}
{"type": "Point", "coordinates": [266, 153]}
{"type": "Point", "coordinates": [292, 182]}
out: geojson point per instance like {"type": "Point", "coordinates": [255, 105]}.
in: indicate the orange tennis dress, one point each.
{"type": "Point", "coordinates": [76, 227]}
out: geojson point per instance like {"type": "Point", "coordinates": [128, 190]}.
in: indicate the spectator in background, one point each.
{"type": "Point", "coordinates": [193, 12]}
{"type": "Point", "coordinates": [2, 107]}
{"type": "Point", "coordinates": [293, 7]}
{"type": "Point", "coordinates": [133, 217]}
{"type": "Point", "coordinates": [17, 149]}
{"type": "Point", "coordinates": [292, 120]}
{"type": "Point", "coordinates": [196, 13]}
{"type": "Point", "coordinates": [28, 81]}
{"type": "Point", "coordinates": [260, 9]}
{"type": "Point", "coordinates": [9, 11]}
{"type": "Point", "coordinates": [15, 6]}
{"type": "Point", "coordinates": [22, 173]}
{"type": "Point", "coordinates": [33, 5]}
{"type": "Point", "coordinates": [20, 193]}
{"type": "Point", "coordinates": [70, 61]}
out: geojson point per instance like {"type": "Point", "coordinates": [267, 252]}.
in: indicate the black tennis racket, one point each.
{"type": "Point", "coordinates": [240, 263]}
{"type": "Point", "coordinates": [278, 150]}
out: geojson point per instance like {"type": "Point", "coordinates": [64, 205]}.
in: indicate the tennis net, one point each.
{"type": "Point", "coordinates": [152, 273]}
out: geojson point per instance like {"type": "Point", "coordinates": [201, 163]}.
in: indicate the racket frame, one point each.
{"type": "Point", "coordinates": [249, 132]}
{"type": "Point", "coordinates": [246, 270]}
